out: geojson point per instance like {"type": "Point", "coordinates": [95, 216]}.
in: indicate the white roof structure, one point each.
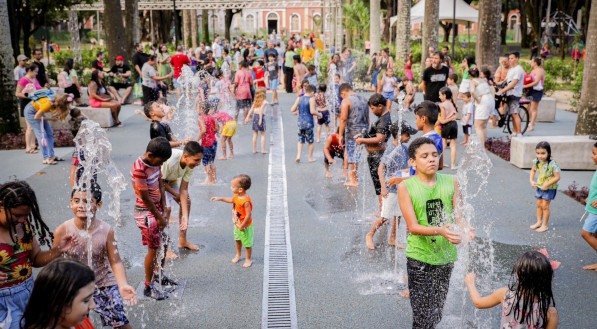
{"type": "Point", "coordinates": [464, 12]}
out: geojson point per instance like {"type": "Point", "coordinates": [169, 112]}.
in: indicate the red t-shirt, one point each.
{"type": "Point", "coordinates": [146, 178]}
{"type": "Point", "coordinates": [177, 61]}
{"type": "Point", "coordinates": [259, 74]}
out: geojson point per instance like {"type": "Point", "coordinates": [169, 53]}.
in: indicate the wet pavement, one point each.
{"type": "Point", "coordinates": [338, 283]}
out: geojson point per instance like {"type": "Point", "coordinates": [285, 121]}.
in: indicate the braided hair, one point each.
{"type": "Point", "coordinates": [18, 193]}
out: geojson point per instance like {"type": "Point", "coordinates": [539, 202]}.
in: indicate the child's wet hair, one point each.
{"type": "Point", "coordinates": [311, 67]}
{"type": "Point", "coordinates": [532, 275]}
{"type": "Point", "coordinates": [429, 110]}
{"type": "Point", "coordinates": [345, 87]}
{"type": "Point", "coordinates": [95, 189]}
{"type": "Point", "coordinates": [244, 181]}
{"type": "Point", "coordinates": [193, 148]}
{"type": "Point", "coordinates": [159, 147]}
{"type": "Point", "coordinates": [544, 145]}
{"type": "Point", "coordinates": [75, 112]}
{"type": "Point", "coordinates": [377, 100]}
{"type": "Point", "coordinates": [416, 144]}
{"type": "Point", "coordinates": [309, 88]}
{"type": "Point", "coordinates": [147, 108]}
{"type": "Point", "coordinates": [61, 105]}
{"type": "Point", "coordinates": [18, 193]}
{"type": "Point", "coordinates": [322, 88]}
{"type": "Point", "coordinates": [55, 288]}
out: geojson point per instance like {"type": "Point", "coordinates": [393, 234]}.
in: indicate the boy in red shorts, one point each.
{"type": "Point", "coordinates": [149, 208]}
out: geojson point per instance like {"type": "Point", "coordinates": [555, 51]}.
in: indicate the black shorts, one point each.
{"type": "Point", "coordinates": [466, 129]}
{"type": "Point", "coordinates": [334, 154]}
{"type": "Point", "coordinates": [450, 130]}
{"type": "Point", "coordinates": [118, 85]}
{"type": "Point", "coordinates": [150, 94]}
{"type": "Point", "coordinates": [73, 90]}
{"type": "Point", "coordinates": [373, 159]}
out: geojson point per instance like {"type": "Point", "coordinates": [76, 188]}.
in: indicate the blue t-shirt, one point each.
{"type": "Point", "coordinates": [437, 140]}
{"type": "Point", "coordinates": [592, 195]}
{"type": "Point", "coordinates": [395, 158]}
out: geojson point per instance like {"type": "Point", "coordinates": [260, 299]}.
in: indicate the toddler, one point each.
{"type": "Point", "coordinates": [227, 127]}
{"type": "Point", "coordinates": [321, 105]}
{"type": "Point", "coordinates": [258, 116]}
{"type": "Point", "coordinates": [468, 114]}
{"type": "Point", "coordinates": [546, 185]}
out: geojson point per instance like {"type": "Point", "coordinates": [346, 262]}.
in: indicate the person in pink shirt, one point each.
{"type": "Point", "coordinates": [242, 89]}
{"type": "Point", "coordinates": [26, 85]}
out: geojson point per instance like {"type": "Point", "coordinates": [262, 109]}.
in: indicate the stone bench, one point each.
{"type": "Point", "coordinates": [102, 116]}
{"type": "Point", "coordinates": [547, 110]}
{"type": "Point", "coordinates": [570, 152]}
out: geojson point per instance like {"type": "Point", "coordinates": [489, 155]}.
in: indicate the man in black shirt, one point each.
{"type": "Point", "coordinates": [98, 62]}
{"type": "Point", "coordinates": [121, 78]}
{"type": "Point", "coordinates": [271, 50]}
{"type": "Point", "coordinates": [42, 78]}
{"type": "Point", "coordinates": [139, 58]}
{"type": "Point", "coordinates": [434, 78]}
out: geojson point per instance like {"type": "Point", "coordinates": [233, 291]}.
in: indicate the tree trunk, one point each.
{"type": "Point", "coordinates": [403, 31]}
{"type": "Point", "coordinates": [488, 42]}
{"type": "Point", "coordinates": [228, 16]}
{"type": "Point", "coordinates": [534, 16]}
{"type": "Point", "coordinates": [430, 28]}
{"type": "Point", "coordinates": [9, 117]}
{"type": "Point", "coordinates": [348, 32]}
{"type": "Point", "coordinates": [131, 12]}
{"type": "Point", "coordinates": [115, 33]}
{"type": "Point", "coordinates": [586, 122]}
{"type": "Point", "coordinates": [447, 27]}
{"type": "Point", "coordinates": [15, 27]}
{"type": "Point", "coordinates": [524, 32]}
{"type": "Point", "coordinates": [386, 35]}
{"type": "Point", "coordinates": [26, 26]}
{"type": "Point", "coordinates": [194, 27]}
{"type": "Point", "coordinates": [186, 28]}
{"type": "Point", "coordinates": [505, 9]}
{"type": "Point", "coordinates": [205, 26]}
{"type": "Point", "coordinates": [374, 30]}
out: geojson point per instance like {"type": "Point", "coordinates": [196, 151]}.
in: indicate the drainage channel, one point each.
{"type": "Point", "coordinates": [279, 306]}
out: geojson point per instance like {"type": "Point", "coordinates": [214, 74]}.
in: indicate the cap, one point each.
{"type": "Point", "coordinates": [22, 58]}
{"type": "Point", "coordinates": [119, 58]}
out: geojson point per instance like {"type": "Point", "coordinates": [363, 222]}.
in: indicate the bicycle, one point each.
{"type": "Point", "coordinates": [506, 120]}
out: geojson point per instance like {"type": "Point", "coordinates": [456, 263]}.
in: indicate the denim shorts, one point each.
{"type": "Point", "coordinates": [14, 299]}
{"type": "Point", "coordinates": [273, 84]}
{"type": "Point", "coordinates": [388, 95]}
{"type": "Point", "coordinates": [545, 194]}
{"type": "Point", "coordinates": [535, 95]}
{"type": "Point", "coordinates": [306, 136]}
{"type": "Point", "coordinates": [209, 154]}
{"type": "Point", "coordinates": [353, 155]}
{"type": "Point", "coordinates": [109, 306]}
{"type": "Point", "coordinates": [513, 104]}
{"type": "Point", "coordinates": [590, 223]}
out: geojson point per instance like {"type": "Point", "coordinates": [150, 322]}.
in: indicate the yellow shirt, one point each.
{"type": "Point", "coordinates": [307, 54]}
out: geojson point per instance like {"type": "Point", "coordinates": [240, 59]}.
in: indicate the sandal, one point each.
{"type": "Point", "coordinates": [50, 162]}
{"type": "Point", "coordinates": [57, 159]}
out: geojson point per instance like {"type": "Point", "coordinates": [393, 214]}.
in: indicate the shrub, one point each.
{"type": "Point", "coordinates": [578, 194]}
{"type": "Point", "coordinates": [499, 146]}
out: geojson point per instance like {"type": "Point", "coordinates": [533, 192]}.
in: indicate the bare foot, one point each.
{"type": "Point", "coordinates": [405, 293]}
{"type": "Point", "coordinates": [351, 184]}
{"type": "Point", "coordinates": [369, 241]}
{"type": "Point", "coordinates": [392, 241]}
{"type": "Point", "coordinates": [254, 152]}
{"type": "Point", "coordinates": [188, 245]}
{"type": "Point", "coordinates": [297, 160]}
{"type": "Point", "coordinates": [222, 158]}
{"type": "Point", "coordinates": [235, 259]}
{"type": "Point", "coordinates": [231, 156]}
{"type": "Point", "coordinates": [247, 263]}
{"type": "Point", "coordinates": [263, 152]}
{"type": "Point", "coordinates": [592, 267]}
{"type": "Point", "coordinates": [311, 160]}
{"type": "Point", "coordinates": [542, 229]}
{"type": "Point", "coordinates": [171, 255]}
{"type": "Point", "coordinates": [535, 226]}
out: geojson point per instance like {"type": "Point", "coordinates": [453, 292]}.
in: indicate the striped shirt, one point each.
{"type": "Point", "coordinates": [146, 178]}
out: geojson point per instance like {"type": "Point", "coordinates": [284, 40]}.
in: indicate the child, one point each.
{"type": "Point", "coordinates": [449, 126]}
{"type": "Point", "coordinates": [321, 105]}
{"type": "Point", "coordinates": [209, 142]}
{"type": "Point", "coordinates": [304, 107]}
{"type": "Point", "coordinates": [426, 114]}
{"type": "Point", "coordinates": [110, 278]}
{"type": "Point", "coordinates": [258, 111]}
{"type": "Point", "coordinates": [312, 76]}
{"type": "Point", "coordinates": [155, 111]}
{"type": "Point", "coordinates": [242, 206]}
{"type": "Point", "coordinates": [589, 229]}
{"type": "Point", "coordinates": [338, 99]}
{"type": "Point", "coordinates": [76, 117]}
{"type": "Point", "coordinates": [452, 83]}
{"type": "Point", "coordinates": [427, 202]}
{"type": "Point", "coordinates": [388, 83]}
{"type": "Point", "coordinates": [149, 209]}
{"type": "Point", "coordinates": [272, 77]}
{"type": "Point", "coordinates": [468, 114]}
{"type": "Point", "coordinates": [259, 81]}
{"type": "Point", "coordinates": [546, 185]}
{"type": "Point", "coordinates": [227, 127]}
{"type": "Point", "coordinates": [300, 71]}
{"type": "Point", "coordinates": [392, 170]}
{"type": "Point", "coordinates": [332, 149]}
{"type": "Point", "coordinates": [528, 302]}
{"type": "Point", "coordinates": [22, 230]}
{"type": "Point", "coordinates": [61, 297]}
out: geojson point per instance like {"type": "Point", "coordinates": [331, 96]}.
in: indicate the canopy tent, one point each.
{"type": "Point", "coordinates": [464, 12]}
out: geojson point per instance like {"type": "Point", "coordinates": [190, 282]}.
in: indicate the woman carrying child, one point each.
{"type": "Point", "coordinates": [257, 112]}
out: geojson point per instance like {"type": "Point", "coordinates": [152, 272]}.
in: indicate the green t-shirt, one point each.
{"type": "Point", "coordinates": [546, 172]}
{"type": "Point", "coordinates": [288, 58]}
{"type": "Point", "coordinates": [592, 195]}
{"type": "Point", "coordinates": [433, 207]}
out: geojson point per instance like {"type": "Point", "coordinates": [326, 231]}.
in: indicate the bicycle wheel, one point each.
{"type": "Point", "coordinates": [523, 114]}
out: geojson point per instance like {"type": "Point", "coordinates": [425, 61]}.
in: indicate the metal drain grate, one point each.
{"type": "Point", "coordinates": [279, 306]}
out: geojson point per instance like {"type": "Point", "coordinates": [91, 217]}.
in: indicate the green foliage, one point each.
{"type": "Point", "coordinates": [324, 64]}
{"type": "Point", "coordinates": [356, 19]}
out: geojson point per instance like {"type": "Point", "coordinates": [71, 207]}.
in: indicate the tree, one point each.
{"type": "Point", "coordinates": [9, 118]}
{"type": "Point", "coordinates": [132, 31]}
{"type": "Point", "coordinates": [430, 28]}
{"type": "Point", "coordinates": [386, 35]}
{"type": "Point", "coordinates": [115, 31]}
{"type": "Point", "coordinates": [586, 122]}
{"type": "Point", "coordinates": [205, 26]}
{"type": "Point", "coordinates": [186, 28]}
{"type": "Point", "coordinates": [488, 37]}
{"type": "Point", "coordinates": [356, 20]}
{"type": "Point", "coordinates": [403, 31]}
{"type": "Point", "coordinates": [228, 16]}
{"type": "Point", "coordinates": [193, 18]}
{"type": "Point", "coordinates": [374, 31]}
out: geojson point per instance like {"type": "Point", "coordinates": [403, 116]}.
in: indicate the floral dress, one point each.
{"type": "Point", "coordinates": [15, 259]}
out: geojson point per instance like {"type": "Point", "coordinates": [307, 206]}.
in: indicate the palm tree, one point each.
{"type": "Point", "coordinates": [586, 122]}
{"type": "Point", "coordinates": [430, 28]}
{"type": "Point", "coordinates": [403, 31]}
{"type": "Point", "coordinates": [356, 15]}
{"type": "Point", "coordinates": [9, 118]}
{"type": "Point", "coordinates": [374, 31]}
{"type": "Point", "coordinates": [488, 39]}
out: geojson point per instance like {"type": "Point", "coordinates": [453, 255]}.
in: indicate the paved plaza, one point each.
{"type": "Point", "coordinates": [338, 283]}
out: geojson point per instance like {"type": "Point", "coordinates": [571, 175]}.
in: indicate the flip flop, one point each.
{"type": "Point", "coordinates": [58, 159]}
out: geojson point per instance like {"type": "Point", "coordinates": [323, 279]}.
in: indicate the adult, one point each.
{"type": "Point", "coordinates": [121, 79]}
{"type": "Point", "coordinates": [299, 71]}
{"type": "Point", "coordinates": [177, 61]}
{"type": "Point", "coordinates": [484, 100]}
{"type": "Point", "coordinates": [139, 58]}
{"type": "Point", "coordinates": [502, 71]}
{"type": "Point", "coordinates": [354, 119]}
{"type": "Point", "coordinates": [163, 61]}
{"type": "Point", "coordinates": [373, 69]}
{"type": "Point", "coordinates": [68, 80]}
{"type": "Point", "coordinates": [98, 62]}
{"type": "Point", "coordinates": [467, 63]}
{"type": "Point", "coordinates": [217, 49]}
{"type": "Point", "coordinates": [100, 96]}
{"type": "Point", "coordinates": [25, 85]}
{"type": "Point", "coordinates": [270, 51]}
{"type": "Point", "coordinates": [242, 89]}
{"type": "Point", "coordinates": [200, 55]}
{"type": "Point", "coordinates": [536, 92]}
{"type": "Point", "coordinates": [289, 67]}
{"type": "Point", "coordinates": [545, 51]}
{"type": "Point", "coordinates": [434, 78]}
{"type": "Point", "coordinates": [385, 62]}
{"type": "Point", "coordinates": [408, 67]}
{"type": "Point", "coordinates": [447, 59]}
{"type": "Point", "coordinates": [209, 64]}
{"type": "Point", "coordinates": [513, 90]}
{"type": "Point", "coordinates": [152, 82]}
{"type": "Point", "coordinates": [349, 65]}
{"type": "Point", "coordinates": [19, 70]}
{"type": "Point", "coordinates": [308, 53]}
{"type": "Point", "coordinates": [41, 68]}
